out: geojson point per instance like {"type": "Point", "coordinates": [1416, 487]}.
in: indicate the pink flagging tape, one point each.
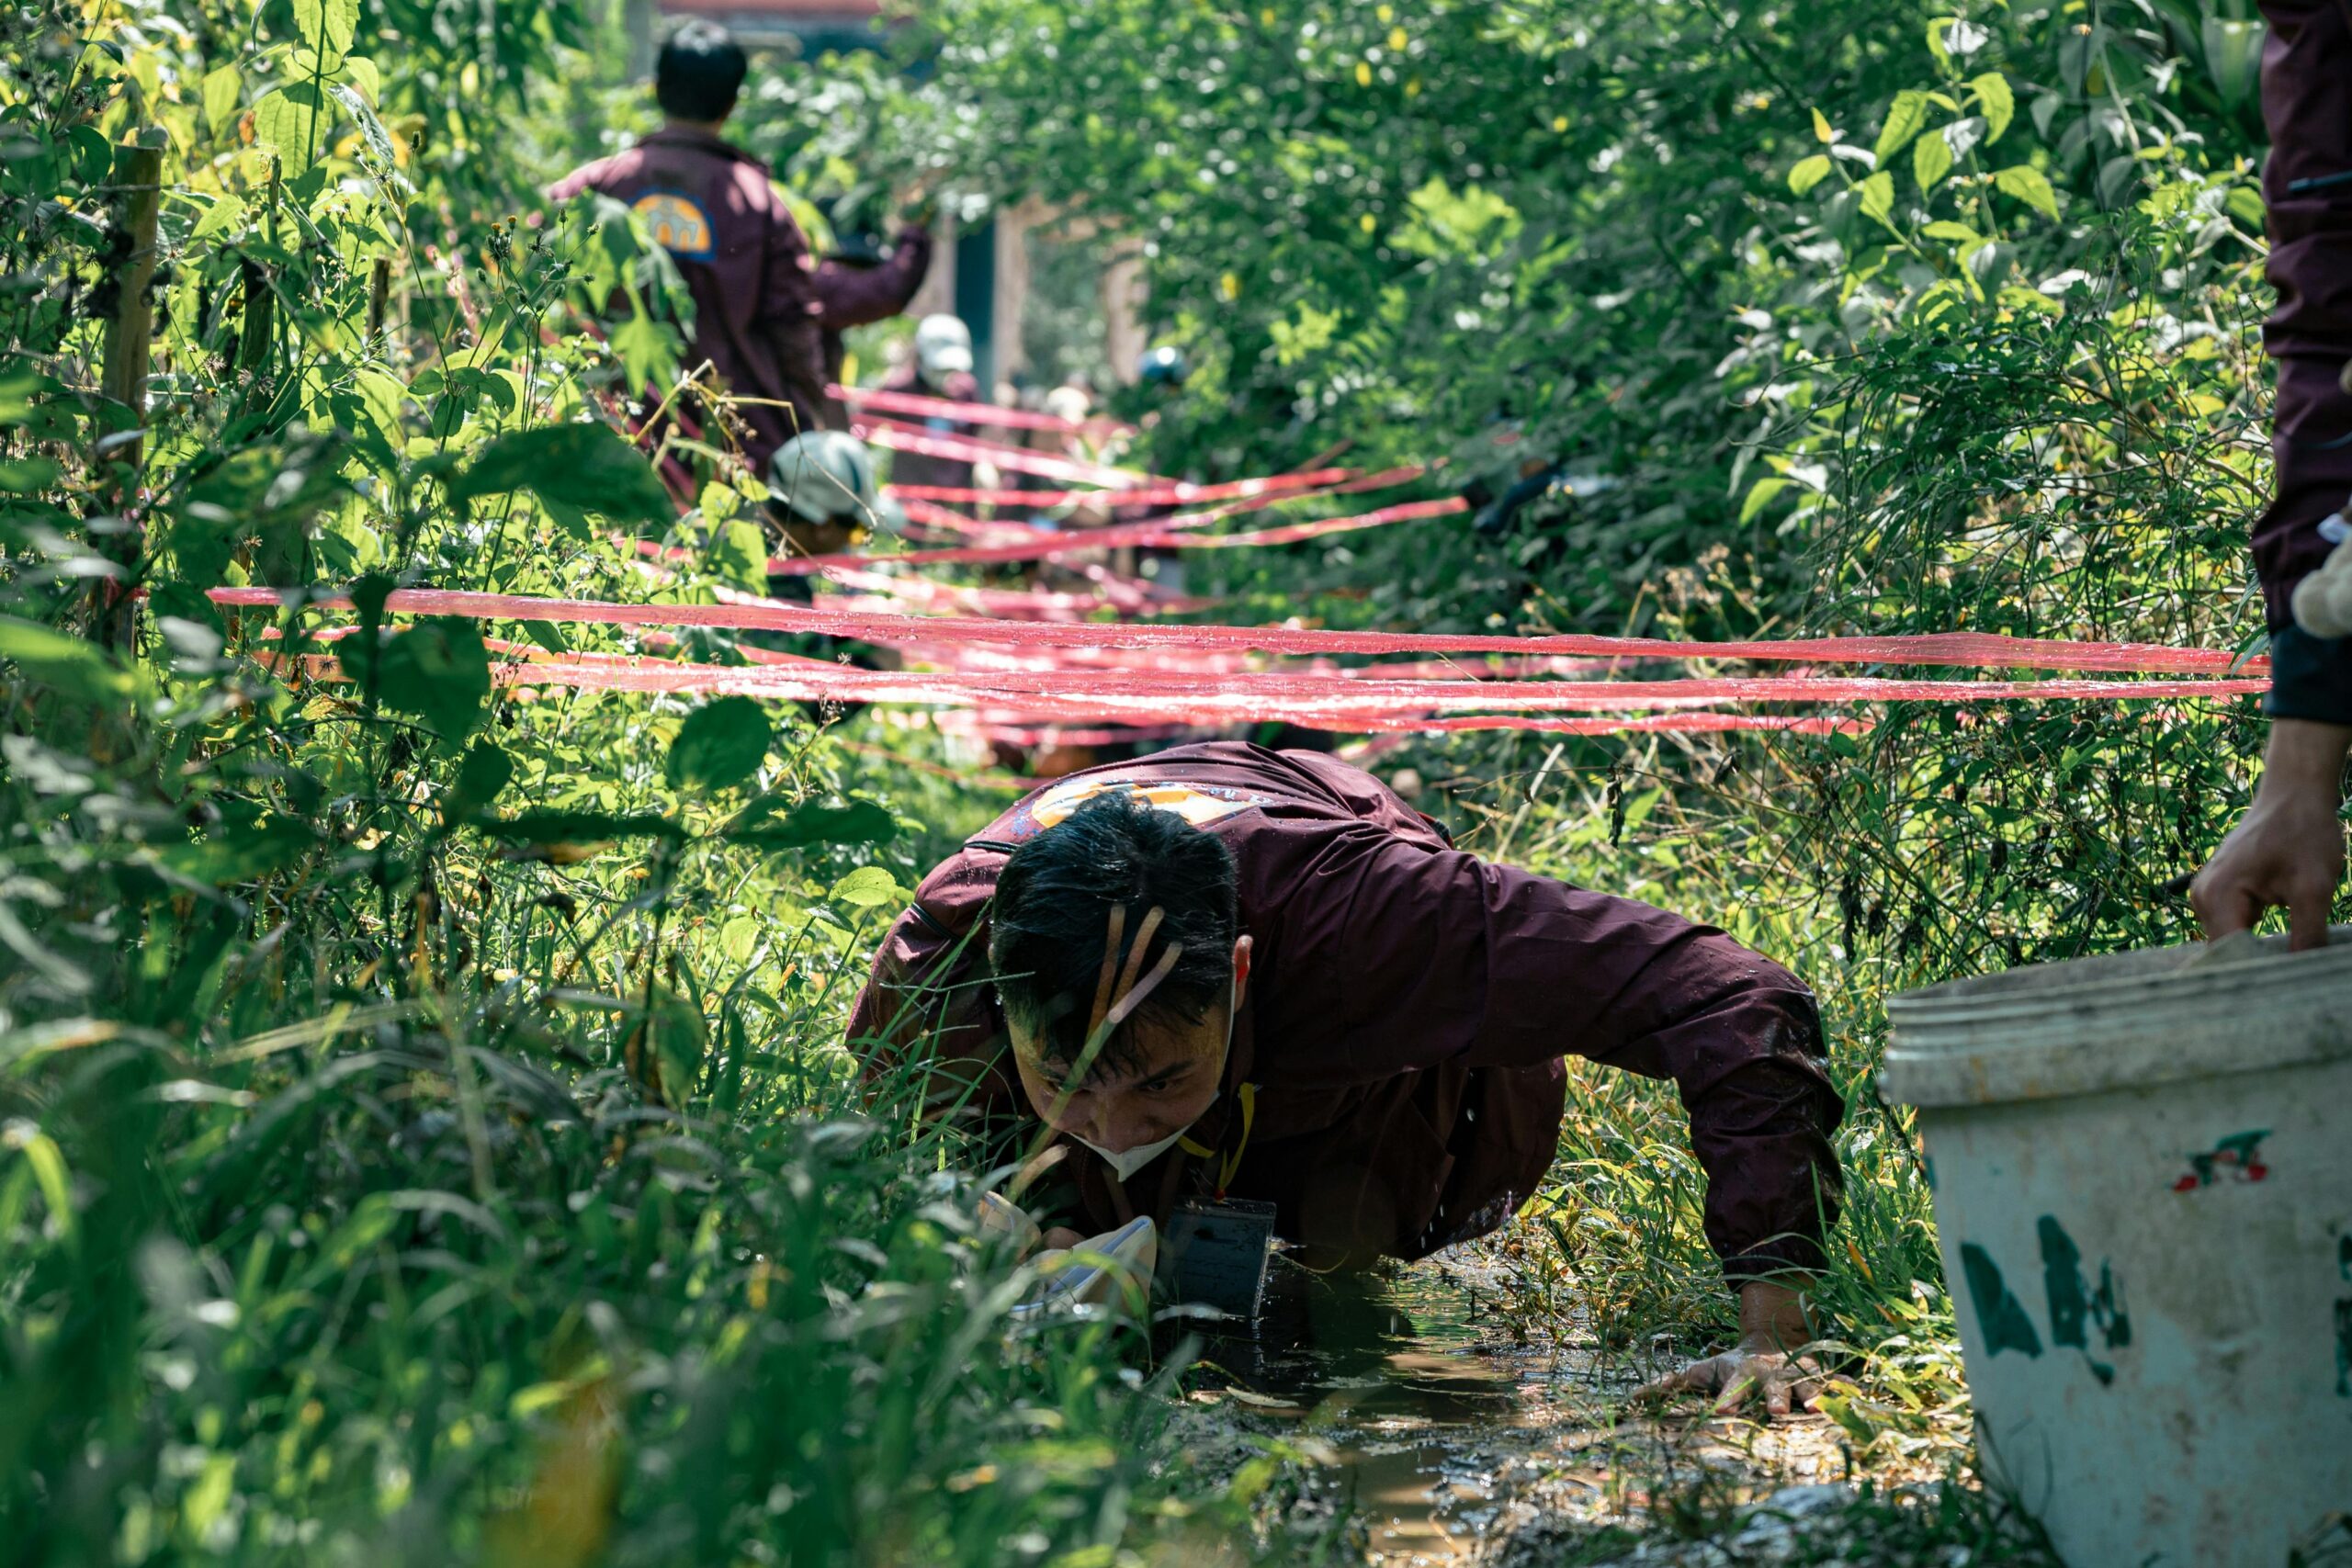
{"type": "Point", "coordinates": [1982, 650]}
{"type": "Point", "coordinates": [908, 438]}
{"type": "Point", "coordinates": [1176, 494]}
{"type": "Point", "coordinates": [1044, 544]}
{"type": "Point", "coordinates": [923, 407]}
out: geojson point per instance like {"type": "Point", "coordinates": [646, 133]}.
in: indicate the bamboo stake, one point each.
{"type": "Point", "coordinates": [380, 295]}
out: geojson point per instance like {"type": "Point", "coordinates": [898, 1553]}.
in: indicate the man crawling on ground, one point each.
{"type": "Point", "coordinates": [1221, 970]}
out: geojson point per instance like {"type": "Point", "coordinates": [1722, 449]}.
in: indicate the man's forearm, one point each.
{"type": "Point", "coordinates": [2306, 759]}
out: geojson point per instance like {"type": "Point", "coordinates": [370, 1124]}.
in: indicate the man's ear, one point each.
{"type": "Point", "coordinates": [1240, 969]}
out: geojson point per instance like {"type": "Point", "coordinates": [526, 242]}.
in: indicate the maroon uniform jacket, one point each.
{"type": "Point", "coordinates": [2307, 185]}
{"type": "Point", "coordinates": [745, 261]}
{"type": "Point", "coordinates": [1408, 1009]}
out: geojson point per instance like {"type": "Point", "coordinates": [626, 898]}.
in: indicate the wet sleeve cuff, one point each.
{"type": "Point", "coordinates": [2310, 677]}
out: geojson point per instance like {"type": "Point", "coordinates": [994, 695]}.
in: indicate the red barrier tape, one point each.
{"type": "Point", "coordinates": [1044, 544]}
{"type": "Point", "coordinates": [973, 413]}
{"type": "Point", "coordinates": [1174, 494]}
{"type": "Point", "coordinates": [1982, 650]}
{"type": "Point", "coordinates": [909, 438]}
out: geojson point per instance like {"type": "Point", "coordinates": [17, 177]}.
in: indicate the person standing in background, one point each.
{"type": "Point", "coordinates": [745, 259]}
{"type": "Point", "coordinates": [940, 368]}
{"type": "Point", "coordinates": [2289, 849]}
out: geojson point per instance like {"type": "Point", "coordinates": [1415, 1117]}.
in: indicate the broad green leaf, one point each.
{"type": "Point", "coordinates": [1905, 118]}
{"type": "Point", "coordinates": [2233, 57]}
{"type": "Point", "coordinates": [224, 215]}
{"type": "Point", "coordinates": [381, 395]}
{"type": "Point", "coordinates": [587, 465]}
{"type": "Point", "coordinates": [486, 771]}
{"type": "Point", "coordinates": [438, 670]}
{"type": "Point", "coordinates": [360, 73]}
{"type": "Point", "coordinates": [1760, 495]}
{"type": "Point", "coordinates": [74, 666]}
{"type": "Point", "coordinates": [1959, 233]}
{"type": "Point", "coordinates": [1822, 132]}
{"type": "Point", "coordinates": [1877, 197]}
{"type": "Point", "coordinates": [2028, 186]}
{"type": "Point", "coordinates": [738, 553]}
{"type": "Point", "coordinates": [860, 822]}
{"type": "Point", "coordinates": [235, 851]}
{"type": "Point", "coordinates": [298, 121]}
{"type": "Point", "coordinates": [721, 744]}
{"type": "Point", "coordinates": [1999, 104]}
{"type": "Point", "coordinates": [223, 87]}
{"type": "Point", "coordinates": [1930, 160]}
{"type": "Point", "coordinates": [326, 25]}
{"type": "Point", "coordinates": [25, 476]}
{"type": "Point", "coordinates": [1809, 173]}
{"type": "Point", "coordinates": [867, 887]}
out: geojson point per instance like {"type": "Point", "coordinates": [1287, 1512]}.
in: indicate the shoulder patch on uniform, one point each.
{"type": "Point", "coordinates": [677, 224]}
{"type": "Point", "coordinates": [1198, 804]}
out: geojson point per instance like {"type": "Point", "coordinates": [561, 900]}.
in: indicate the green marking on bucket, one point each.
{"type": "Point", "coordinates": [1998, 1311]}
{"type": "Point", "coordinates": [2344, 1349]}
{"type": "Point", "coordinates": [2074, 1305]}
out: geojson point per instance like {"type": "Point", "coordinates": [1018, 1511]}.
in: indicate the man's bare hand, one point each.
{"type": "Point", "coordinates": [1740, 1373]}
{"type": "Point", "coordinates": [1772, 1328]}
{"type": "Point", "coordinates": [2288, 848]}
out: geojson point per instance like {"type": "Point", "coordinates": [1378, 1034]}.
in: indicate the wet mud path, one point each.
{"type": "Point", "coordinates": [1449, 1440]}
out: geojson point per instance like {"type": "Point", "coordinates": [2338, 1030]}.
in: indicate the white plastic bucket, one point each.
{"type": "Point", "coordinates": [2142, 1176]}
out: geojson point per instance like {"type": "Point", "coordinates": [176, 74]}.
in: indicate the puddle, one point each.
{"type": "Point", "coordinates": [1452, 1443]}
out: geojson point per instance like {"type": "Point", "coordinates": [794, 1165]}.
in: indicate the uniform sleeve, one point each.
{"type": "Point", "coordinates": [858, 296]}
{"type": "Point", "coordinates": [2307, 61]}
{"type": "Point", "coordinates": [1423, 956]}
{"type": "Point", "coordinates": [926, 1022]}
{"type": "Point", "coordinates": [787, 316]}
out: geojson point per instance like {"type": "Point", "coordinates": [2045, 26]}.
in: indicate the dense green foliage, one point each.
{"type": "Point", "coordinates": [422, 1133]}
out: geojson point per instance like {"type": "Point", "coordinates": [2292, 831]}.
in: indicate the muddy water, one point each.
{"type": "Point", "coordinates": [1453, 1441]}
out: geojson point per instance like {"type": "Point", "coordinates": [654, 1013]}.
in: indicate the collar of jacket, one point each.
{"type": "Point", "coordinates": [702, 141]}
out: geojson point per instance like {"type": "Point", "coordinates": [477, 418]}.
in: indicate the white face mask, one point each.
{"type": "Point", "coordinates": [1125, 1163]}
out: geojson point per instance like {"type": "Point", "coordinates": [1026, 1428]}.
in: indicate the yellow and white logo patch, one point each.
{"type": "Point", "coordinates": [1199, 805]}
{"type": "Point", "coordinates": [677, 225]}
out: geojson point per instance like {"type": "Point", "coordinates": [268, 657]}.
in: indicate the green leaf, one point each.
{"type": "Point", "coordinates": [2028, 186]}
{"type": "Point", "coordinates": [225, 213]}
{"type": "Point", "coordinates": [298, 119]}
{"type": "Point", "coordinates": [587, 465]}
{"type": "Point", "coordinates": [2233, 57]}
{"type": "Point", "coordinates": [867, 887]}
{"type": "Point", "coordinates": [1809, 173]}
{"type": "Point", "coordinates": [439, 670]}
{"type": "Point", "coordinates": [223, 89]}
{"type": "Point", "coordinates": [76, 668]}
{"type": "Point", "coordinates": [721, 744]}
{"type": "Point", "coordinates": [860, 822]}
{"type": "Point", "coordinates": [486, 771]}
{"type": "Point", "coordinates": [1959, 233]}
{"type": "Point", "coordinates": [240, 852]}
{"type": "Point", "coordinates": [581, 828]}
{"type": "Point", "coordinates": [738, 553]}
{"type": "Point", "coordinates": [1878, 197]}
{"type": "Point", "coordinates": [326, 25]}
{"type": "Point", "coordinates": [1930, 160]}
{"type": "Point", "coordinates": [1759, 496]}
{"type": "Point", "coordinates": [26, 476]}
{"type": "Point", "coordinates": [1822, 132]}
{"type": "Point", "coordinates": [1999, 104]}
{"type": "Point", "coordinates": [1905, 118]}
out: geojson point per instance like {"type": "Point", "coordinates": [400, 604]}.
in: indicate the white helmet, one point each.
{"type": "Point", "coordinates": [823, 476]}
{"type": "Point", "coordinates": [943, 346]}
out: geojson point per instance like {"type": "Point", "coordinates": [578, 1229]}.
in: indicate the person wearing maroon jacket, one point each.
{"type": "Point", "coordinates": [742, 255]}
{"type": "Point", "coordinates": [2289, 849]}
{"type": "Point", "coordinates": [1226, 970]}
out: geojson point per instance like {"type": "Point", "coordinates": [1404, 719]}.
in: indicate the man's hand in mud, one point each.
{"type": "Point", "coordinates": [1772, 1328]}
{"type": "Point", "coordinates": [1787, 1382]}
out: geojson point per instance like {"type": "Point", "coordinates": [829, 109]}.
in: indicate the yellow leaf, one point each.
{"type": "Point", "coordinates": [1363, 75]}
{"type": "Point", "coordinates": [1559, 123]}
{"type": "Point", "coordinates": [1368, 222]}
{"type": "Point", "coordinates": [1396, 39]}
{"type": "Point", "coordinates": [1821, 128]}
{"type": "Point", "coordinates": [1230, 285]}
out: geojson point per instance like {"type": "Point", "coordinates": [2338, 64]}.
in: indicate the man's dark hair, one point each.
{"type": "Point", "coordinates": [701, 69]}
{"type": "Point", "coordinates": [1051, 921]}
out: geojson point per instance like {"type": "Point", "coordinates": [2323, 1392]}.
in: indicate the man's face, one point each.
{"type": "Point", "coordinates": [1170, 1078]}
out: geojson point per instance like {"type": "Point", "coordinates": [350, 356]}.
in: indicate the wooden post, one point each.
{"type": "Point", "coordinates": [260, 327]}
{"type": "Point", "coordinates": [138, 174]}
{"type": "Point", "coordinates": [379, 297]}
{"type": "Point", "coordinates": [130, 339]}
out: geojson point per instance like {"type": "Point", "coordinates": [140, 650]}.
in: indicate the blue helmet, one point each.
{"type": "Point", "coordinates": [1162, 366]}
